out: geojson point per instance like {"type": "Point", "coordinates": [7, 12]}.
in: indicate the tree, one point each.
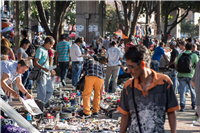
{"type": "Point", "coordinates": [168, 7]}
{"type": "Point", "coordinates": [61, 9]}
{"type": "Point", "coordinates": [187, 27]}
{"type": "Point", "coordinates": [112, 21]}
{"type": "Point", "coordinates": [130, 8]}
{"type": "Point", "coordinates": [71, 15]}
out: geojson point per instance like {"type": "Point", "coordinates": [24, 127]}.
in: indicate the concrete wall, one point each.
{"type": "Point", "coordinates": [90, 13]}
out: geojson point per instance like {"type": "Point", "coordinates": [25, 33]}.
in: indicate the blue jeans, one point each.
{"type": "Point", "coordinates": [184, 82]}
{"type": "Point", "coordinates": [24, 80]}
{"type": "Point", "coordinates": [63, 70]}
{"type": "Point", "coordinates": [76, 72]}
{"type": "Point", "coordinates": [44, 87]}
{"type": "Point", "coordinates": [173, 76]}
{"type": "Point", "coordinates": [155, 65]}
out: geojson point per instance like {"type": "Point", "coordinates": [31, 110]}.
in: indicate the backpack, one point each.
{"type": "Point", "coordinates": [31, 50]}
{"type": "Point", "coordinates": [185, 63]}
{"type": "Point", "coordinates": [37, 41]}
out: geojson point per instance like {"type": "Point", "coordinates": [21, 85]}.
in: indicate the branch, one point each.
{"type": "Point", "coordinates": [130, 9]}
{"type": "Point", "coordinates": [154, 8]}
{"type": "Point", "coordinates": [179, 20]}
{"type": "Point", "coordinates": [119, 18]}
{"type": "Point", "coordinates": [43, 17]}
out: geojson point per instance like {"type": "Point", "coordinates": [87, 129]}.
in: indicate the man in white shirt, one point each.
{"type": "Point", "coordinates": [11, 71]}
{"type": "Point", "coordinates": [77, 60]}
{"type": "Point", "coordinates": [113, 55]}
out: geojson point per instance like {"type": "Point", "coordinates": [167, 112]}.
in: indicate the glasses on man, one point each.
{"type": "Point", "coordinates": [132, 66]}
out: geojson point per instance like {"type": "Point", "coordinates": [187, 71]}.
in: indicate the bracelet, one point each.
{"type": "Point", "coordinates": [26, 93]}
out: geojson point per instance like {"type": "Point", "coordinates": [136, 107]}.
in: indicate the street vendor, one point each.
{"type": "Point", "coordinates": [11, 71]}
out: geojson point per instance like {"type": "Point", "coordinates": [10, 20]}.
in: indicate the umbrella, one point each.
{"type": "Point", "coordinates": [72, 35]}
{"type": "Point", "coordinates": [120, 34]}
{"type": "Point", "coordinates": [8, 29]}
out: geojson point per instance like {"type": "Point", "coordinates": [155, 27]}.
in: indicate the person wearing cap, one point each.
{"type": "Point", "coordinates": [62, 56]}
{"type": "Point", "coordinates": [171, 64]}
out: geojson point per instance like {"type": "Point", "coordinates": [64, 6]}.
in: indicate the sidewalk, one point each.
{"type": "Point", "coordinates": [184, 120]}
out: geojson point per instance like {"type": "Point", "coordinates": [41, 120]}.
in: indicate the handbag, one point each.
{"type": "Point", "coordinates": [80, 84]}
{"type": "Point", "coordinates": [135, 105]}
{"type": "Point", "coordinates": [35, 73]}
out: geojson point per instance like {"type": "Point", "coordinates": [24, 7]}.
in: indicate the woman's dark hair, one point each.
{"type": "Point", "coordinates": [4, 50]}
{"type": "Point", "coordinates": [78, 40]}
{"type": "Point", "coordinates": [113, 43]}
{"type": "Point", "coordinates": [24, 41]}
{"type": "Point", "coordinates": [137, 54]}
{"type": "Point", "coordinates": [49, 39]}
{"type": "Point", "coordinates": [24, 33]}
{"type": "Point", "coordinates": [189, 46]}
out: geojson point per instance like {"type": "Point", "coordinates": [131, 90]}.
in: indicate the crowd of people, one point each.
{"type": "Point", "coordinates": [148, 92]}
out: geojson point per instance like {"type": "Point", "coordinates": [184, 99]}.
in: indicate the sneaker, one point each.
{"type": "Point", "coordinates": [95, 114]}
{"type": "Point", "coordinates": [63, 83]}
{"type": "Point", "coordinates": [81, 113]}
{"type": "Point", "coordinates": [193, 107]}
{"type": "Point", "coordinates": [187, 94]}
{"type": "Point", "coordinates": [197, 123]}
{"type": "Point", "coordinates": [182, 110]}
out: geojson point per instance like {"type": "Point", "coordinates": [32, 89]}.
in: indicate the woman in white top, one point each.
{"type": "Point", "coordinates": [21, 54]}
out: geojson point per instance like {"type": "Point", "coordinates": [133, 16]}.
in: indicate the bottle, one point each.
{"type": "Point", "coordinates": [29, 117]}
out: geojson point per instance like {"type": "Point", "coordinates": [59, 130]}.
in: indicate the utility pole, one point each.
{"type": "Point", "coordinates": [27, 20]}
{"type": "Point", "coordinates": [51, 14]}
{"type": "Point", "coordinates": [158, 21]}
{"type": "Point", "coordinates": [16, 15]}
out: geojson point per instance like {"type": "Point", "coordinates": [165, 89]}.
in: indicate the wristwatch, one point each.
{"type": "Point", "coordinates": [26, 93]}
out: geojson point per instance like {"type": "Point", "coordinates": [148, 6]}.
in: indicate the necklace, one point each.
{"type": "Point", "coordinates": [148, 83]}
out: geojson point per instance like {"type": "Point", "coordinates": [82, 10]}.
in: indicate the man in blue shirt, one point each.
{"type": "Point", "coordinates": [155, 60]}
{"type": "Point", "coordinates": [44, 84]}
{"type": "Point", "coordinates": [62, 57]}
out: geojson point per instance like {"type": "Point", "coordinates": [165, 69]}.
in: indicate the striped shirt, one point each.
{"type": "Point", "coordinates": [63, 51]}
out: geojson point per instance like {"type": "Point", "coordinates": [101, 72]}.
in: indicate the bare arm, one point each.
{"type": "Point", "coordinates": [22, 89]}
{"type": "Point", "coordinates": [4, 78]}
{"type": "Point", "coordinates": [11, 53]}
{"type": "Point", "coordinates": [124, 123]}
{"type": "Point", "coordinates": [165, 57]}
{"type": "Point", "coordinates": [39, 66]}
{"type": "Point", "coordinates": [172, 121]}
{"type": "Point", "coordinates": [193, 84]}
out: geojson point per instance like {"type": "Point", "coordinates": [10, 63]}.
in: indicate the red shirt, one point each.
{"type": "Point", "coordinates": [129, 44]}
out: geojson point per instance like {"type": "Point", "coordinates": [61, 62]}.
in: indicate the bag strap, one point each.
{"type": "Point", "coordinates": [135, 105]}
{"type": "Point", "coordinates": [45, 61]}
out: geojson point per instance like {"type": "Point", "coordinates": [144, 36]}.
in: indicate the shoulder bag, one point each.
{"type": "Point", "coordinates": [135, 105]}
{"type": "Point", "coordinates": [35, 73]}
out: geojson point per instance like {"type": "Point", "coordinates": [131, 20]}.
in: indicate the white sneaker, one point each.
{"type": "Point", "coordinates": [187, 94]}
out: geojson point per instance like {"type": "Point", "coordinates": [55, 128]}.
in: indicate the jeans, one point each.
{"type": "Point", "coordinates": [155, 65]}
{"type": "Point", "coordinates": [173, 76]}
{"type": "Point", "coordinates": [114, 71]}
{"type": "Point", "coordinates": [24, 80]}
{"type": "Point", "coordinates": [44, 87]}
{"type": "Point", "coordinates": [184, 82]}
{"type": "Point", "coordinates": [29, 83]}
{"type": "Point", "coordinates": [76, 72]}
{"type": "Point", "coordinates": [63, 70]}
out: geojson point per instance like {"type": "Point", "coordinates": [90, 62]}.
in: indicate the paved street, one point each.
{"type": "Point", "coordinates": [184, 120]}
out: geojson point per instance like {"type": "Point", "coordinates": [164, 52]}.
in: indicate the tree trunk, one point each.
{"type": "Point", "coordinates": [42, 16]}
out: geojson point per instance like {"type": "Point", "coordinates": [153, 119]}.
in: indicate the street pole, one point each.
{"type": "Point", "coordinates": [1, 6]}
{"type": "Point", "coordinates": [27, 20]}
{"type": "Point", "coordinates": [16, 11]}
{"type": "Point", "coordinates": [158, 16]}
